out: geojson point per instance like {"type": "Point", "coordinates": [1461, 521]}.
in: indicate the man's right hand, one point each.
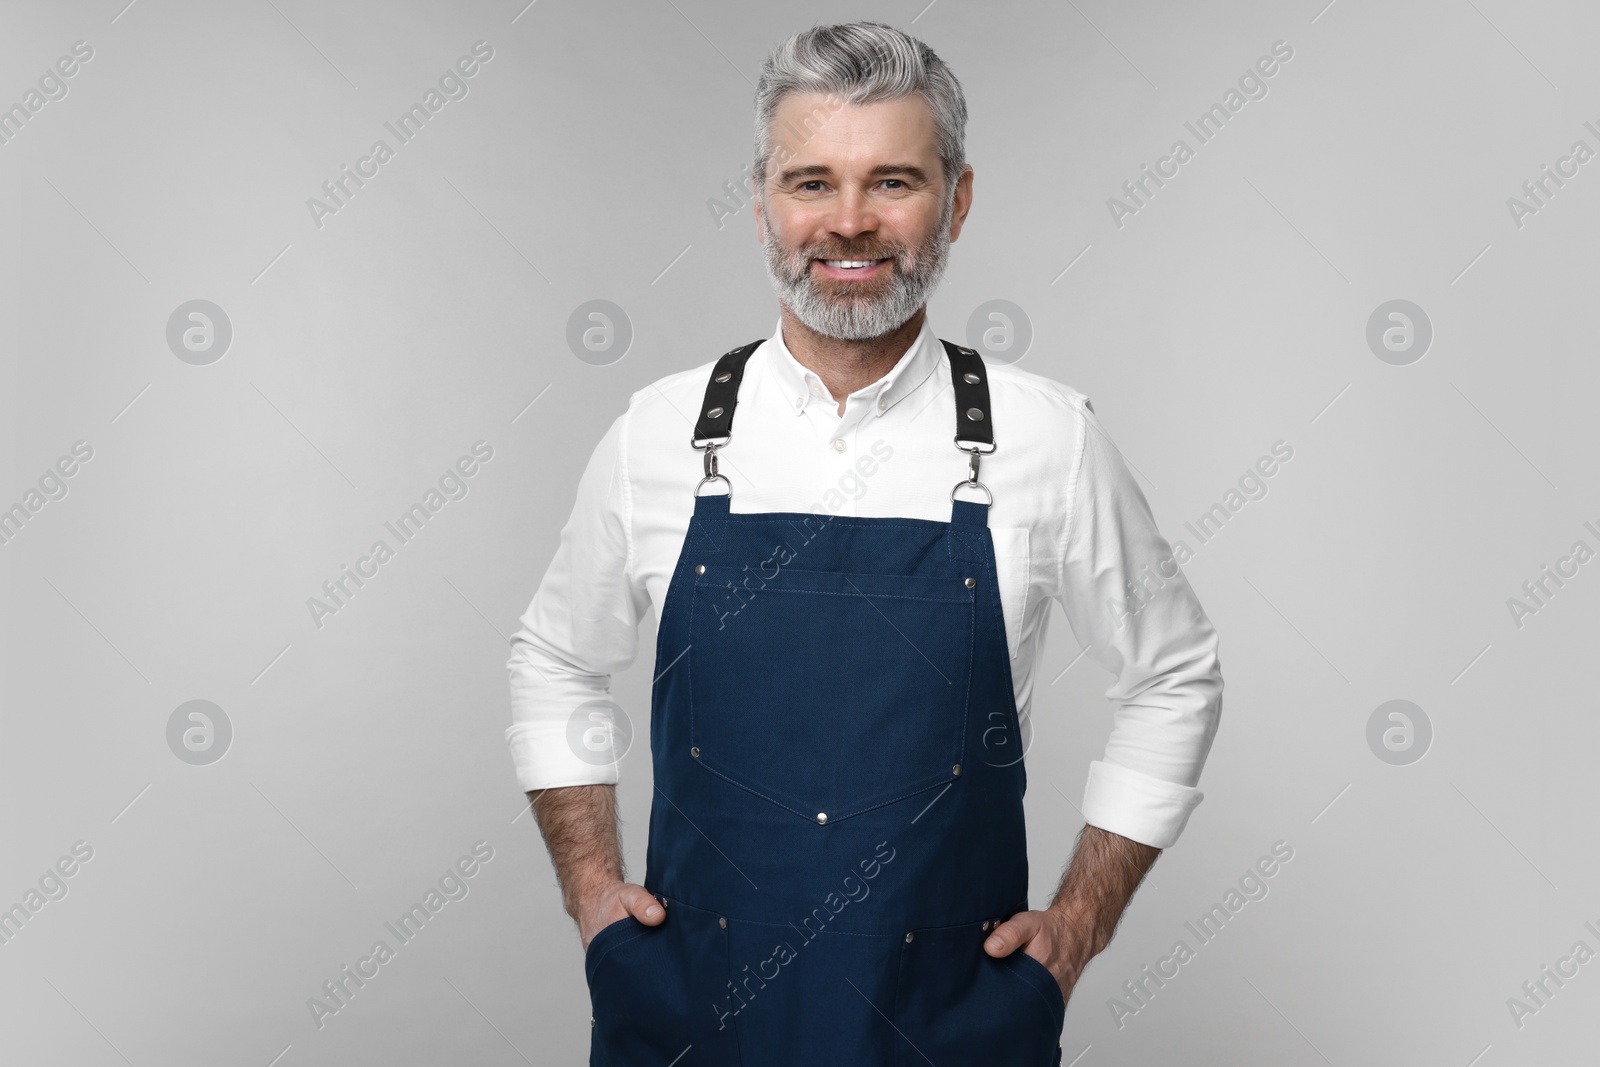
{"type": "Point", "coordinates": [613, 902]}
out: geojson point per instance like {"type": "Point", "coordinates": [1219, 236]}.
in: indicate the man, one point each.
{"type": "Point", "coordinates": [837, 866]}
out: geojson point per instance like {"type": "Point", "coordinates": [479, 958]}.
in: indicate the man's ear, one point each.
{"type": "Point", "coordinates": [963, 203]}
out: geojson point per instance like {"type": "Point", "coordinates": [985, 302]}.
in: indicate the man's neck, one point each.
{"type": "Point", "coordinates": [845, 366]}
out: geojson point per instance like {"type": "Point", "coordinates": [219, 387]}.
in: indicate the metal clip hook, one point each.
{"type": "Point", "coordinates": [971, 480]}
{"type": "Point", "coordinates": [712, 474]}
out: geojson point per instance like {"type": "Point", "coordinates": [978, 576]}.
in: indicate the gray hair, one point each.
{"type": "Point", "coordinates": [860, 63]}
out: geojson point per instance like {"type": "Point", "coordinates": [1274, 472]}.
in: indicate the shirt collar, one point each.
{"type": "Point", "coordinates": [801, 386]}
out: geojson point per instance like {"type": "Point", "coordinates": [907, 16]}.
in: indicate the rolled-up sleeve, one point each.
{"type": "Point", "coordinates": [1133, 609]}
{"type": "Point", "coordinates": [580, 628]}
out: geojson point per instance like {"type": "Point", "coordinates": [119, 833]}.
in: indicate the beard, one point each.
{"type": "Point", "coordinates": [857, 313]}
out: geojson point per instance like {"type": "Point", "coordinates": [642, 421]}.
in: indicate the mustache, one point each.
{"type": "Point", "coordinates": [887, 253]}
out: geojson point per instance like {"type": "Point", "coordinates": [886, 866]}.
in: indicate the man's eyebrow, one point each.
{"type": "Point", "coordinates": [821, 170]}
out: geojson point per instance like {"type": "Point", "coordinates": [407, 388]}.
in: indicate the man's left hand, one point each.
{"type": "Point", "coordinates": [1064, 945]}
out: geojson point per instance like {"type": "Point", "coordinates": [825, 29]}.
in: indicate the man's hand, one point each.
{"type": "Point", "coordinates": [1105, 870]}
{"type": "Point", "coordinates": [1063, 945]}
{"type": "Point", "coordinates": [615, 901]}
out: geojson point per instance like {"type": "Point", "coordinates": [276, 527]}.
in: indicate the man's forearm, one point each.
{"type": "Point", "coordinates": [1105, 870]}
{"type": "Point", "coordinates": [579, 824]}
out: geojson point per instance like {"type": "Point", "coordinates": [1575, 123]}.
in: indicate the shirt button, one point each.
{"type": "Point", "coordinates": [883, 401]}
{"type": "Point", "coordinates": [816, 389]}
{"type": "Point", "coordinates": [799, 403]}
{"type": "Point", "coordinates": [839, 445]}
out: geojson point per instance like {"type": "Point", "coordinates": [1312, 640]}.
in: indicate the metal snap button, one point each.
{"type": "Point", "coordinates": [972, 583]}
{"type": "Point", "coordinates": [695, 751]}
{"type": "Point", "coordinates": [699, 568]}
{"type": "Point", "coordinates": [975, 414]}
{"type": "Point", "coordinates": [956, 770]}
{"type": "Point", "coordinates": [716, 412]}
{"type": "Point", "coordinates": [722, 921]}
{"type": "Point", "coordinates": [970, 378]}
{"type": "Point", "coordinates": [822, 818]}
{"type": "Point", "coordinates": [591, 1020]}
{"type": "Point", "coordinates": [725, 375]}
{"type": "Point", "coordinates": [908, 937]}
{"type": "Point", "coordinates": [986, 925]}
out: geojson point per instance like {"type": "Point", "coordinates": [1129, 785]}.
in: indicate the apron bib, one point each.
{"type": "Point", "coordinates": [837, 821]}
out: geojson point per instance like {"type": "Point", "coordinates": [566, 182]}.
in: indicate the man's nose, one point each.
{"type": "Point", "coordinates": [853, 214]}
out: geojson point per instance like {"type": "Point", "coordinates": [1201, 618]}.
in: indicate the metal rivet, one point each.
{"type": "Point", "coordinates": [970, 378]}
{"type": "Point", "coordinates": [956, 770]}
{"type": "Point", "coordinates": [591, 1020]}
{"type": "Point", "coordinates": [975, 414]}
{"type": "Point", "coordinates": [822, 818]}
{"type": "Point", "coordinates": [717, 413]}
{"type": "Point", "coordinates": [725, 375]}
{"type": "Point", "coordinates": [969, 351]}
{"type": "Point", "coordinates": [986, 925]}
{"type": "Point", "coordinates": [972, 583]}
{"type": "Point", "coordinates": [695, 751]}
{"type": "Point", "coordinates": [699, 568]}
{"type": "Point", "coordinates": [722, 921]}
{"type": "Point", "coordinates": [908, 938]}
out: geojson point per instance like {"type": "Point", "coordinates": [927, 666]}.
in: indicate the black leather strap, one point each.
{"type": "Point", "coordinates": [967, 375]}
{"type": "Point", "coordinates": [974, 421]}
{"type": "Point", "coordinates": [722, 393]}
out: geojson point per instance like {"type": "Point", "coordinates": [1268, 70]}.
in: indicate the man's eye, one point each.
{"type": "Point", "coordinates": [807, 186]}
{"type": "Point", "coordinates": [896, 180]}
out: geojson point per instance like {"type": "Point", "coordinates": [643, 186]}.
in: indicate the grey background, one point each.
{"type": "Point", "coordinates": [431, 311]}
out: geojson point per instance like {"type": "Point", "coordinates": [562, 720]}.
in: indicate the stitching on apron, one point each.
{"type": "Point", "coordinates": [871, 596]}
{"type": "Point", "coordinates": [707, 534]}
{"type": "Point", "coordinates": [811, 817]}
{"type": "Point", "coordinates": [925, 524]}
{"type": "Point", "coordinates": [970, 542]}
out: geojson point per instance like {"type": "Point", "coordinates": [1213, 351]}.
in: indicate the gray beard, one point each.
{"type": "Point", "coordinates": [861, 317]}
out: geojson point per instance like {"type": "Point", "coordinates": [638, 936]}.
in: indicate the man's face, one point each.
{"type": "Point", "coordinates": [848, 185]}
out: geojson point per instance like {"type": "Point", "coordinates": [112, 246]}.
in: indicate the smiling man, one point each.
{"type": "Point", "coordinates": [837, 866]}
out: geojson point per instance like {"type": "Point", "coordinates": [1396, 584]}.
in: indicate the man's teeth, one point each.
{"type": "Point", "coordinates": [850, 264]}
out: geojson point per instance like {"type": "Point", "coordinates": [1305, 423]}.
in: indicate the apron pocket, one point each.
{"type": "Point", "coordinates": [654, 990]}
{"type": "Point", "coordinates": [599, 944]}
{"type": "Point", "coordinates": [958, 1004]}
{"type": "Point", "coordinates": [1031, 970]}
{"type": "Point", "coordinates": [829, 693]}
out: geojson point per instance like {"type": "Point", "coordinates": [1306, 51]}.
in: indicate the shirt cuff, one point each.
{"type": "Point", "coordinates": [1137, 806]}
{"type": "Point", "coordinates": [544, 759]}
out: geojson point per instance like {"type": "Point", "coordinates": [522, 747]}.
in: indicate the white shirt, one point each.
{"type": "Point", "coordinates": [1069, 524]}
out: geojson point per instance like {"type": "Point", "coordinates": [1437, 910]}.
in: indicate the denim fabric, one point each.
{"type": "Point", "coordinates": [837, 819]}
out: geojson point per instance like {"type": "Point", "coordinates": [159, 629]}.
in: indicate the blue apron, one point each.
{"type": "Point", "coordinates": [837, 821]}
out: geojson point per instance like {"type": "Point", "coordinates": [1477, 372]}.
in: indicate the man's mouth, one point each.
{"type": "Point", "coordinates": [851, 268]}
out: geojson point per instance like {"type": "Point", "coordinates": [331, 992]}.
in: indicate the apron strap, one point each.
{"type": "Point", "coordinates": [722, 393]}
{"type": "Point", "coordinates": [971, 385]}
{"type": "Point", "coordinates": [969, 512]}
{"type": "Point", "coordinates": [974, 424]}
{"type": "Point", "coordinates": [974, 421]}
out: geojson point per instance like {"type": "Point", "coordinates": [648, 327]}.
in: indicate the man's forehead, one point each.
{"type": "Point", "coordinates": [810, 126]}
